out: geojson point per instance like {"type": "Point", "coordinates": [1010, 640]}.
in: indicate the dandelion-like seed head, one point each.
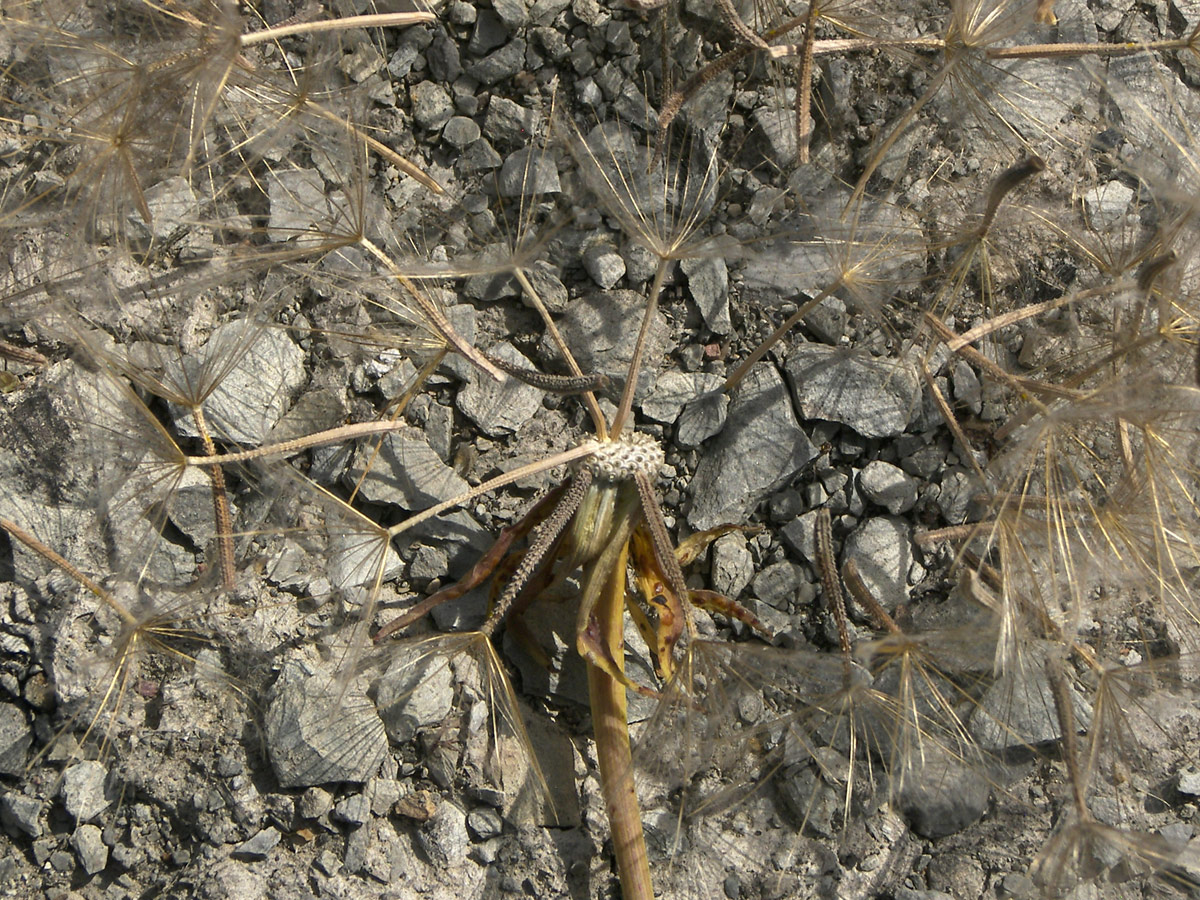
{"type": "Point", "coordinates": [624, 458]}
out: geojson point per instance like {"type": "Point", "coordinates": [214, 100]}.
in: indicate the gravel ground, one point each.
{"type": "Point", "coordinates": [183, 738]}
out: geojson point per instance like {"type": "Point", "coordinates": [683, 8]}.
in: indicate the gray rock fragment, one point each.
{"type": "Point", "coordinates": [172, 205]}
{"type": "Point", "coordinates": [431, 105]}
{"type": "Point", "coordinates": [297, 202]}
{"type": "Point", "coordinates": [876, 397]}
{"type": "Point", "coordinates": [259, 846]}
{"type": "Point", "coordinates": [1018, 708]}
{"type": "Point", "coordinates": [83, 790]}
{"type": "Point", "coordinates": [509, 122]}
{"type": "Point", "coordinates": [549, 287]}
{"type": "Point", "coordinates": [702, 418]}
{"type": "Point", "coordinates": [88, 843]}
{"type": "Point", "coordinates": [1106, 205]}
{"type": "Point", "coordinates": [957, 490]}
{"type": "Point", "coordinates": [19, 813]}
{"type": "Point", "coordinates": [479, 157]}
{"type": "Point", "coordinates": [485, 823]}
{"type": "Point", "coordinates": [445, 62]}
{"type": "Point", "coordinates": [416, 691]}
{"type": "Point", "coordinates": [967, 390]}
{"type": "Point", "coordinates": [488, 34]}
{"type": "Point", "coordinates": [674, 390]}
{"type": "Point", "coordinates": [405, 472]}
{"type": "Point", "coordinates": [319, 731]}
{"type": "Point", "coordinates": [192, 507]}
{"type": "Point", "coordinates": [314, 803]}
{"type": "Point", "coordinates": [460, 131]}
{"type": "Point", "coordinates": [444, 837]}
{"type": "Point", "coordinates": [256, 390]}
{"type": "Point", "coordinates": [603, 263]}
{"type": "Point", "coordinates": [888, 486]}
{"type": "Point", "coordinates": [528, 173]}
{"type": "Point", "coordinates": [708, 282]}
{"type": "Point", "coordinates": [16, 737]}
{"type": "Point", "coordinates": [882, 550]}
{"type": "Point", "coordinates": [1189, 781]}
{"type": "Point", "coordinates": [500, 408]}
{"type": "Point", "coordinates": [779, 584]}
{"type": "Point", "coordinates": [732, 565]}
{"type": "Point", "coordinates": [597, 328]}
{"type": "Point", "coordinates": [356, 559]}
{"type": "Point", "coordinates": [354, 811]}
{"type": "Point", "coordinates": [503, 63]}
{"type": "Point", "coordinates": [942, 796]}
{"type": "Point", "coordinates": [513, 13]}
{"type": "Point", "coordinates": [761, 447]}
{"type": "Point", "coordinates": [362, 62]}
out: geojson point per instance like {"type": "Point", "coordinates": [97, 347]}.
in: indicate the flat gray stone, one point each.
{"type": "Point", "coordinates": [192, 507]}
{"type": "Point", "coordinates": [444, 838]}
{"type": "Point", "coordinates": [529, 172]}
{"type": "Point", "coordinates": [259, 846]}
{"type": "Point", "coordinates": [405, 472]}
{"type": "Point", "coordinates": [708, 283]}
{"type": "Point", "coordinates": [266, 374]}
{"type": "Point", "coordinates": [416, 691]}
{"type": "Point", "coordinates": [761, 447]}
{"type": "Point", "coordinates": [16, 737]}
{"type": "Point", "coordinates": [83, 790]}
{"type": "Point", "coordinates": [1107, 205]}
{"type": "Point", "coordinates": [488, 34]}
{"type": "Point", "coordinates": [702, 418]}
{"type": "Point", "coordinates": [508, 122]}
{"type": "Point", "coordinates": [480, 156]}
{"type": "Point", "coordinates": [942, 796]}
{"type": "Point", "coordinates": [318, 731]}
{"type": "Point", "coordinates": [500, 408]}
{"type": "Point", "coordinates": [314, 803]}
{"type": "Point", "coordinates": [460, 131]}
{"type": "Point", "coordinates": [603, 263]}
{"type": "Point", "coordinates": [513, 13]}
{"type": "Point", "coordinates": [779, 584]}
{"type": "Point", "coordinates": [88, 843]}
{"type": "Point", "coordinates": [19, 813]}
{"type": "Point", "coordinates": [888, 486]}
{"type": "Point", "coordinates": [1017, 710]}
{"type": "Point", "coordinates": [601, 330]}
{"type": "Point", "coordinates": [882, 550]}
{"type": "Point", "coordinates": [298, 203]}
{"type": "Point", "coordinates": [354, 811]}
{"type": "Point", "coordinates": [431, 105]}
{"type": "Point", "coordinates": [876, 397]}
{"type": "Point", "coordinates": [172, 205]}
{"type": "Point", "coordinates": [674, 390]}
{"type": "Point", "coordinates": [732, 565]}
{"type": "Point", "coordinates": [503, 63]}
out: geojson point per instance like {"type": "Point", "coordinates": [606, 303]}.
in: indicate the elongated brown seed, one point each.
{"type": "Point", "coordinates": [1004, 184]}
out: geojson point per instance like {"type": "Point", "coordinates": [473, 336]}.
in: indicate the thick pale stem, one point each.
{"type": "Point", "coordinates": [639, 350]}
{"type": "Point", "coordinates": [1052, 51]}
{"type": "Point", "coordinates": [220, 496]}
{"type": "Point", "coordinates": [376, 20]}
{"type": "Point", "coordinates": [804, 89]}
{"type": "Point", "coordinates": [54, 558]}
{"type": "Point", "coordinates": [287, 448]}
{"type": "Point", "coordinates": [610, 720]}
{"type": "Point", "coordinates": [436, 318]}
{"type": "Point", "coordinates": [499, 481]}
